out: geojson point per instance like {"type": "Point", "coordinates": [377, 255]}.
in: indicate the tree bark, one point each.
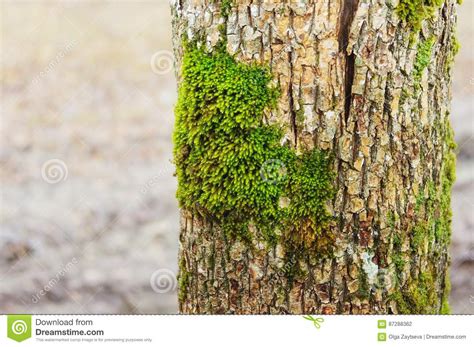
{"type": "Point", "coordinates": [360, 82]}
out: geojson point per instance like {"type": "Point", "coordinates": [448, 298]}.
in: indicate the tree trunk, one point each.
{"type": "Point", "coordinates": [367, 83]}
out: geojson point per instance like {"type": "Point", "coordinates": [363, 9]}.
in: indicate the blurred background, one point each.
{"type": "Point", "coordinates": [88, 216]}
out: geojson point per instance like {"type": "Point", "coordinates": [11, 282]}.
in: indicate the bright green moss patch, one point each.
{"type": "Point", "coordinates": [230, 164]}
{"type": "Point", "coordinates": [414, 12]}
{"type": "Point", "coordinates": [221, 143]}
{"type": "Point", "coordinates": [423, 58]}
{"type": "Point", "coordinates": [310, 187]}
{"type": "Point", "coordinates": [445, 308]}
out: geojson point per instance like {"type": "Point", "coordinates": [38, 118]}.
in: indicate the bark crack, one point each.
{"type": "Point", "coordinates": [348, 10]}
{"type": "Point", "coordinates": [290, 89]}
{"type": "Point", "coordinates": [292, 101]}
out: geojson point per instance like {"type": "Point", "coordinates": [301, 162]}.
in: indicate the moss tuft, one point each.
{"type": "Point", "coordinates": [230, 164]}
{"type": "Point", "coordinates": [418, 296]}
{"type": "Point", "coordinates": [419, 234]}
{"type": "Point", "coordinates": [414, 12]}
{"type": "Point", "coordinates": [445, 308]}
{"type": "Point", "coordinates": [448, 176]}
{"type": "Point", "coordinates": [455, 47]}
{"type": "Point", "coordinates": [226, 6]}
{"type": "Point", "coordinates": [310, 187]}
{"type": "Point", "coordinates": [423, 58]}
{"type": "Point", "coordinates": [183, 280]}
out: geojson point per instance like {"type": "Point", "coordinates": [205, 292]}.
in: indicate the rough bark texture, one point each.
{"type": "Point", "coordinates": [357, 81]}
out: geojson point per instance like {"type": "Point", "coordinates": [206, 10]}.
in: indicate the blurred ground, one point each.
{"type": "Point", "coordinates": [96, 230]}
{"type": "Point", "coordinates": [78, 86]}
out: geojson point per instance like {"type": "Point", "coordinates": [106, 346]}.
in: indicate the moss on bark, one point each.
{"type": "Point", "coordinates": [434, 215]}
{"type": "Point", "coordinates": [414, 12]}
{"type": "Point", "coordinates": [230, 163]}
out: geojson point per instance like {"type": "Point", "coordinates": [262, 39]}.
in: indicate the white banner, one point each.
{"type": "Point", "coordinates": [180, 330]}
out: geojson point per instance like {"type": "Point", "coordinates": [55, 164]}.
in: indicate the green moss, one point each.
{"type": "Point", "coordinates": [433, 210]}
{"type": "Point", "coordinates": [391, 219]}
{"type": "Point", "coordinates": [397, 242]}
{"type": "Point", "coordinates": [455, 47]}
{"type": "Point", "coordinates": [399, 263]}
{"type": "Point", "coordinates": [230, 165]}
{"type": "Point", "coordinates": [364, 288]}
{"type": "Point", "coordinates": [397, 258]}
{"type": "Point", "coordinates": [445, 308]}
{"type": "Point", "coordinates": [300, 116]}
{"type": "Point", "coordinates": [183, 281]}
{"type": "Point", "coordinates": [448, 176]}
{"type": "Point", "coordinates": [423, 58]}
{"type": "Point", "coordinates": [418, 296]}
{"type": "Point", "coordinates": [404, 96]}
{"type": "Point", "coordinates": [310, 187]}
{"type": "Point", "coordinates": [424, 230]}
{"type": "Point", "coordinates": [414, 12]}
{"type": "Point", "coordinates": [220, 140]}
{"type": "Point", "coordinates": [226, 6]}
{"type": "Point", "coordinates": [423, 294]}
{"type": "Point", "coordinates": [419, 234]}
{"type": "Point", "coordinates": [402, 305]}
